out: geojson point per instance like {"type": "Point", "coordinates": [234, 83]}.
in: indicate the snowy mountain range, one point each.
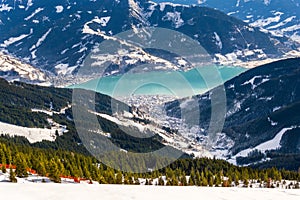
{"type": "Point", "coordinates": [57, 36]}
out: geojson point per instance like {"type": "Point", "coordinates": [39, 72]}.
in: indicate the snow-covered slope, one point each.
{"type": "Point", "coordinates": [15, 70]}
{"type": "Point", "coordinates": [75, 191]}
{"type": "Point", "coordinates": [33, 134]}
{"type": "Point", "coordinates": [281, 18]}
{"type": "Point", "coordinates": [39, 33]}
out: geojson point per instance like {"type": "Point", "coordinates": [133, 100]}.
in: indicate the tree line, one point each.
{"type": "Point", "coordinates": [200, 172]}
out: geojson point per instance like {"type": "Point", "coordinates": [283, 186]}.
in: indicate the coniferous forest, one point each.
{"type": "Point", "coordinates": [56, 164]}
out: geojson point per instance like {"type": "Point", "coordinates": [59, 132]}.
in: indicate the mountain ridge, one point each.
{"type": "Point", "coordinates": [35, 40]}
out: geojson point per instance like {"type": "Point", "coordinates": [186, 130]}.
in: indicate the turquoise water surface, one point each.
{"type": "Point", "coordinates": [180, 84]}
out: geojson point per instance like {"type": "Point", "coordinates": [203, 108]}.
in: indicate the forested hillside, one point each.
{"type": "Point", "coordinates": [201, 172]}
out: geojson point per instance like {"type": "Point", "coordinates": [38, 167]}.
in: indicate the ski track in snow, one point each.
{"type": "Point", "coordinates": [268, 145]}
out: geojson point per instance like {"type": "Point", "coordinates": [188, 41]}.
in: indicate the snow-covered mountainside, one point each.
{"type": "Point", "coordinates": [16, 70]}
{"type": "Point", "coordinates": [262, 120]}
{"type": "Point", "coordinates": [57, 36]}
{"type": "Point", "coordinates": [281, 18]}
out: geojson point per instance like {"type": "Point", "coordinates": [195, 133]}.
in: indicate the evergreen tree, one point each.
{"type": "Point", "coordinates": [2, 157]}
{"type": "Point", "coordinates": [265, 177]}
{"type": "Point", "coordinates": [130, 179]}
{"type": "Point", "coordinates": [217, 180]}
{"type": "Point", "coordinates": [21, 170]}
{"type": "Point", "coordinates": [245, 174]}
{"type": "Point", "coordinates": [191, 182]}
{"type": "Point", "coordinates": [161, 181]}
{"type": "Point", "coordinates": [102, 180]}
{"type": "Point", "coordinates": [136, 181]}
{"type": "Point", "coordinates": [126, 180]}
{"type": "Point", "coordinates": [169, 183]}
{"type": "Point", "coordinates": [54, 173]}
{"type": "Point", "coordinates": [183, 180]}
{"type": "Point", "coordinates": [210, 181]}
{"type": "Point", "coordinates": [174, 181]}
{"type": "Point", "coordinates": [12, 175]}
{"type": "Point", "coordinates": [41, 170]}
{"type": "Point", "coordinates": [246, 183]}
{"type": "Point", "coordinates": [119, 178]}
{"type": "Point", "coordinates": [3, 168]}
{"type": "Point", "coordinates": [110, 177]}
{"type": "Point", "coordinates": [236, 180]}
{"type": "Point", "coordinates": [204, 182]}
{"type": "Point", "coordinates": [199, 178]}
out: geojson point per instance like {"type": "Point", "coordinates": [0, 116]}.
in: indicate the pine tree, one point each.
{"type": "Point", "coordinates": [136, 181]}
{"type": "Point", "coordinates": [21, 170]}
{"type": "Point", "coordinates": [130, 180]}
{"type": "Point", "coordinates": [199, 178]}
{"type": "Point", "coordinates": [191, 182]}
{"type": "Point", "coordinates": [174, 181]}
{"type": "Point", "coordinates": [110, 177]}
{"type": "Point", "coordinates": [246, 183]}
{"type": "Point", "coordinates": [161, 181]}
{"type": "Point", "coordinates": [3, 168]}
{"type": "Point", "coordinates": [54, 173]}
{"type": "Point", "coordinates": [204, 182]}
{"type": "Point", "coordinates": [217, 180]}
{"type": "Point", "coordinates": [210, 181]}
{"type": "Point", "coordinates": [41, 170]}
{"type": "Point", "coordinates": [102, 180]}
{"type": "Point", "coordinates": [2, 157]}
{"type": "Point", "coordinates": [245, 174]}
{"type": "Point", "coordinates": [12, 175]}
{"type": "Point", "coordinates": [8, 156]}
{"type": "Point", "coordinates": [126, 180]}
{"type": "Point", "coordinates": [169, 183]}
{"type": "Point", "coordinates": [265, 177]}
{"type": "Point", "coordinates": [183, 180]}
{"type": "Point", "coordinates": [119, 178]}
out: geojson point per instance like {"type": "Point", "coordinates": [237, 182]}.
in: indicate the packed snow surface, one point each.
{"type": "Point", "coordinates": [268, 145]}
{"type": "Point", "coordinates": [121, 192]}
{"type": "Point", "coordinates": [32, 134]}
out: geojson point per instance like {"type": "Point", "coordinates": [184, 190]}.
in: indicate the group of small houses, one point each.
{"type": "Point", "coordinates": [161, 181]}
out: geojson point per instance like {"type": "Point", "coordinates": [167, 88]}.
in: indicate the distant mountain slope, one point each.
{"type": "Point", "coordinates": [55, 36]}
{"type": "Point", "coordinates": [262, 111]}
{"type": "Point", "coordinates": [278, 17]}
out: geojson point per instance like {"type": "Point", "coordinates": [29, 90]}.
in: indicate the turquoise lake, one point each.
{"type": "Point", "coordinates": [179, 84]}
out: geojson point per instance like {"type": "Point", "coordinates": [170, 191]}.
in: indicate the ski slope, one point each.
{"type": "Point", "coordinates": [121, 192]}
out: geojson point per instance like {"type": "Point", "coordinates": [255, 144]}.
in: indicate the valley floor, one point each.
{"type": "Point", "coordinates": [53, 191]}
